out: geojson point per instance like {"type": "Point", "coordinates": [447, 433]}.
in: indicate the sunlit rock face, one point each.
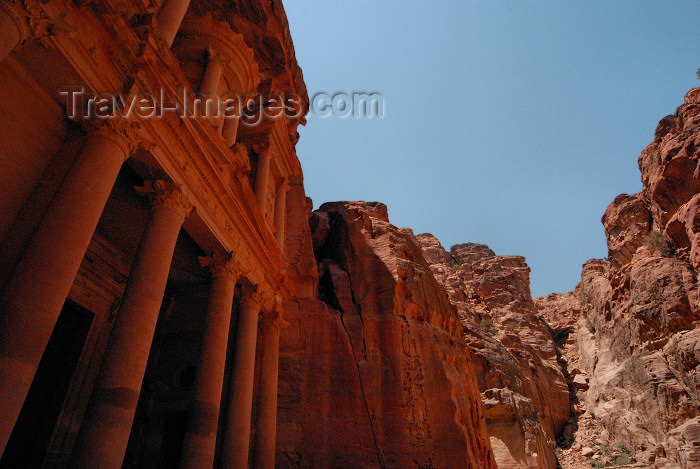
{"type": "Point", "coordinates": [377, 374]}
{"type": "Point", "coordinates": [525, 395]}
{"type": "Point", "coordinates": [638, 337]}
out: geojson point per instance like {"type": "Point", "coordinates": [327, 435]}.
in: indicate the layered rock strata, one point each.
{"type": "Point", "coordinates": [525, 395]}
{"type": "Point", "coordinates": [637, 332]}
{"type": "Point", "coordinates": [377, 373]}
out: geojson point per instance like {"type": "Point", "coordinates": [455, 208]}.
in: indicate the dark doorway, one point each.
{"type": "Point", "coordinates": [31, 436]}
{"type": "Point", "coordinates": [175, 425]}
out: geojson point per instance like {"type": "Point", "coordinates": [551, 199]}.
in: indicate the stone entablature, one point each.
{"type": "Point", "coordinates": [191, 151]}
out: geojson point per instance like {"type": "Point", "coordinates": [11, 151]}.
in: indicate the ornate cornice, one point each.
{"type": "Point", "coordinates": [166, 195]}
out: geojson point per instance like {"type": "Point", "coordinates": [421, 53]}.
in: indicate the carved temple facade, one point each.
{"type": "Point", "coordinates": [143, 262]}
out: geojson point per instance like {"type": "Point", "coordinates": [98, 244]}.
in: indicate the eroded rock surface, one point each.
{"type": "Point", "coordinates": [525, 394]}
{"type": "Point", "coordinates": [377, 374]}
{"type": "Point", "coordinates": [637, 335]}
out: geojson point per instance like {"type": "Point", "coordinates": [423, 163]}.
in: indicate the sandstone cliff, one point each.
{"type": "Point", "coordinates": [376, 373]}
{"type": "Point", "coordinates": [525, 395]}
{"type": "Point", "coordinates": [635, 316]}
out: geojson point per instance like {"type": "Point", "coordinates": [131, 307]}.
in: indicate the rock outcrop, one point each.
{"type": "Point", "coordinates": [525, 394]}
{"type": "Point", "coordinates": [637, 331]}
{"type": "Point", "coordinates": [376, 373]}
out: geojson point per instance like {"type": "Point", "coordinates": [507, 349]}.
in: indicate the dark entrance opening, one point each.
{"type": "Point", "coordinates": [27, 446]}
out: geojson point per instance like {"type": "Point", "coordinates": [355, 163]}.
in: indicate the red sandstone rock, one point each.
{"type": "Point", "coordinates": [626, 223]}
{"type": "Point", "coordinates": [376, 375]}
{"type": "Point", "coordinates": [559, 310]}
{"type": "Point", "coordinates": [525, 395]}
{"type": "Point", "coordinates": [638, 337]}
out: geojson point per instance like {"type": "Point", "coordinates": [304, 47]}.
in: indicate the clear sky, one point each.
{"type": "Point", "coordinates": [512, 124]}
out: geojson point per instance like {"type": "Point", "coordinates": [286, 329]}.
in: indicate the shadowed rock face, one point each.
{"type": "Point", "coordinates": [525, 395]}
{"type": "Point", "coordinates": [377, 374]}
{"type": "Point", "coordinates": [638, 336]}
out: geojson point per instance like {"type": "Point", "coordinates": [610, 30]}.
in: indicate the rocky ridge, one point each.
{"type": "Point", "coordinates": [375, 373]}
{"type": "Point", "coordinates": [634, 317]}
{"type": "Point", "coordinates": [524, 393]}
{"type": "Point", "coordinates": [403, 354]}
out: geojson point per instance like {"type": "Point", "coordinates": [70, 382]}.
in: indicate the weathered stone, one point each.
{"type": "Point", "coordinates": [389, 345]}
{"type": "Point", "coordinates": [580, 382]}
{"type": "Point", "coordinates": [637, 337]}
{"type": "Point", "coordinates": [525, 395]}
{"type": "Point", "coordinates": [587, 452]}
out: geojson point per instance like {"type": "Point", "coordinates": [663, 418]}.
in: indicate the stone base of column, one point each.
{"type": "Point", "coordinates": [237, 436]}
{"type": "Point", "coordinates": [266, 425]}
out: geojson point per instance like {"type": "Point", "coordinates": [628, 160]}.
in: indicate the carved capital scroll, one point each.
{"type": "Point", "coordinates": [120, 131]}
{"type": "Point", "coordinates": [223, 266]}
{"type": "Point", "coordinates": [270, 319]}
{"type": "Point", "coordinates": [166, 195]}
{"type": "Point", "coordinates": [20, 16]}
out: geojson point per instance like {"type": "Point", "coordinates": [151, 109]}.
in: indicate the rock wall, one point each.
{"type": "Point", "coordinates": [637, 331]}
{"type": "Point", "coordinates": [375, 373]}
{"type": "Point", "coordinates": [525, 394]}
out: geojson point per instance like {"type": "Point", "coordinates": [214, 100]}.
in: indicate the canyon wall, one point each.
{"type": "Point", "coordinates": [376, 372]}
{"type": "Point", "coordinates": [412, 356]}
{"type": "Point", "coordinates": [523, 390]}
{"type": "Point", "coordinates": [635, 315]}
{"type": "Point", "coordinates": [406, 354]}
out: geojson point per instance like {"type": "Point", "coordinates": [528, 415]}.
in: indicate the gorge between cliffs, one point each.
{"type": "Point", "coordinates": [171, 298]}
{"type": "Point", "coordinates": [439, 356]}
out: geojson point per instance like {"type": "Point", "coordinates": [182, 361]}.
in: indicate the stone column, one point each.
{"type": "Point", "coordinates": [13, 26]}
{"type": "Point", "coordinates": [210, 85]}
{"type": "Point", "coordinates": [266, 424]}
{"type": "Point", "coordinates": [212, 75]}
{"type": "Point", "coordinates": [200, 438]}
{"type": "Point", "coordinates": [237, 437]}
{"type": "Point", "coordinates": [281, 212]}
{"type": "Point", "coordinates": [170, 18]}
{"type": "Point", "coordinates": [36, 291]}
{"type": "Point", "coordinates": [261, 180]}
{"type": "Point", "coordinates": [230, 130]}
{"type": "Point", "coordinates": [105, 430]}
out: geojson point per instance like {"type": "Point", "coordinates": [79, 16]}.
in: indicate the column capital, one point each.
{"type": "Point", "coordinates": [284, 184]}
{"type": "Point", "coordinates": [273, 318]}
{"type": "Point", "coordinates": [166, 195]}
{"type": "Point", "coordinates": [120, 131]}
{"type": "Point", "coordinates": [223, 266]}
{"type": "Point", "coordinates": [218, 54]}
{"type": "Point", "coordinates": [255, 296]}
{"type": "Point", "coordinates": [261, 147]}
{"type": "Point", "coordinates": [32, 21]}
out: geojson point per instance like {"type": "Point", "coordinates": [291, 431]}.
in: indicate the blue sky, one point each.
{"type": "Point", "coordinates": [512, 124]}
